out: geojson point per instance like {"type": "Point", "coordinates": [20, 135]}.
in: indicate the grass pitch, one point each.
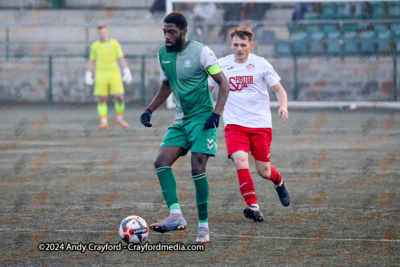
{"type": "Point", "coordinates": [62, 180]}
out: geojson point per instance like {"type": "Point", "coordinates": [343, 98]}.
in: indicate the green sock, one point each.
{"type": "Point", "coordinates": [202, 193]}
{"type": "Point", "coordinates": [102, 109]}
{"type": "Point", "coordinates": [119, 108]}
{"type": "Point", "coordinates": [203, 221]}
{"type": "Point", "coordinates": [168, 185]}
{"type": "Point", "coordinates": [174, 206]}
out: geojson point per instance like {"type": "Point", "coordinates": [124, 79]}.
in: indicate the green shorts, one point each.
{"type": "Point", "coordinates": [190, 134]}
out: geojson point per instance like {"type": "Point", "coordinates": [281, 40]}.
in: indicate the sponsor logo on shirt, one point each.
{"type": "Point", "coordinates": [164, 62]}
{"type": "Point", "coordinates": [237, 83]}
{"type": "Point", "coordinates": [230, 68]}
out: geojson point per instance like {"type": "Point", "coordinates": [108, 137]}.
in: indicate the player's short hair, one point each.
{"type": "Point", "coordinates": [177, 18]}
{"type": "Point", "coordinates": [242, 32]}
{"type": "Point", "coordinates": [101, 27]}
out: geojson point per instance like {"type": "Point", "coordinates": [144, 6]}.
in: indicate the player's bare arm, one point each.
{"type": "Point", "coordinates": [282, 98]}
{"type": "Point", "coordinates": [213, 120]}
{"type": "Point", "coordinates": [222, 81]}
{"type": "Point", "coordinates": [92, 63]}
{"type": "Point", "coordinates": [122, 62]}
{"type": "Point", "coordinates": [162, 95]}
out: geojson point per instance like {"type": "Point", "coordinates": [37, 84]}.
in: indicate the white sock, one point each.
{"type": "Point", "coordinates": [175, 211]}
{"type": "Point", "coordinates": [280, 184]}
{"type": "Point", "coordinates": [119, 117]}
{"type": "Point", "coordinates": [103, 120]}
{"type": "Point", "coordinates": [255, 206]}
{"type": "Point", "coordinates": [203, 224]}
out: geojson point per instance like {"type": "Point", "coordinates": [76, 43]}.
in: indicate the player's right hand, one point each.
{"type": "Point", "coordinates": [145, 118]}
{"type": "Point", "coordinates": [283, 114]}
{"type": "Point", "coordinates": [88, 78]}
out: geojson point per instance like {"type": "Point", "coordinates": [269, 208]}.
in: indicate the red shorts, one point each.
{"type": "Point", "coordinates": [254, 140]}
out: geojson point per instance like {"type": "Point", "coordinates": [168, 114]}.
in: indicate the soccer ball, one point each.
{"type": "Point", "coordinates": [133, 229]}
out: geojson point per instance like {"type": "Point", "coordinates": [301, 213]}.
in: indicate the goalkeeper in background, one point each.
{"type": "Point", "coordinates": [106, 54]}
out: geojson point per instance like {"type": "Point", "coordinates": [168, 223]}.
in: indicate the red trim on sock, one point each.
{"type": "Point", "coordinates": [247, 188]}
{"type": "Point", "coordinates": [275, 177]}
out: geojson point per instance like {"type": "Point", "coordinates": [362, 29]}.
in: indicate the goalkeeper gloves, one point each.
{"type": "Point", "coordinates": [212, 121]}
{"type": "Point", "coordinates": [88, 78]}
{"type": "Point", "coordinates": [145, 118]}
{"type": "Point", "coordinates": [127, 78]}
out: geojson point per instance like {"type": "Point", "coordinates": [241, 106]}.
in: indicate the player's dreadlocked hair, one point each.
{"type": "Point", "coordinates": [242, 32]}
{"type": "Point", "coordinates": [178, 18]}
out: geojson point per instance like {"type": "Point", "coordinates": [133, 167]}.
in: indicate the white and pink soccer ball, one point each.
{"type": "Point", "coordinates": [133, 229]}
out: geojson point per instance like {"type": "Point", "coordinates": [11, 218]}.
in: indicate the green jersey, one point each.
{"type": "Point", "coordinates": [187, 73]}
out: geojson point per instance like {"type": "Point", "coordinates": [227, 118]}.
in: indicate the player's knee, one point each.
{"type": "Point", "coordinates": [159, 163]}
{"type": "Point", "coordinates": [241, 163]}
{"type": "Point", "coordinates": [119, 99]}
{"type": "Point", "coordinates": [198, 170]}
{"type": "Point", "coordinates": [102, 100]}
{"type": "Point", "coordinates": [156, 164]}
{"type": "Point", "coordinates": [264, 172]}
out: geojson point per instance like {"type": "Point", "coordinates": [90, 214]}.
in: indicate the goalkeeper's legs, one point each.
{"type": "Point", "coordinates": [120, 108]}
{"type": "Point", "coordinates": [102, 109]}
{"type": "Point", "coordinates": [166, 157]}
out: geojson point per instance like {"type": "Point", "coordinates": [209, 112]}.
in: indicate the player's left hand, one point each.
{"type": "Point", "coordinates": [145, 118]}
{"type": "Point", "coordinates": [127, 78]}
{"type": "Point", "coordinates": [212, 121]}
{"type": "Point", "coordinates": [283, 114]}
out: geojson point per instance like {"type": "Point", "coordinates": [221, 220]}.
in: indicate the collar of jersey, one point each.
{"type": "Point", "coordinates": [184, 47]}
{"type": "Point", "coordinates": [105, 42]}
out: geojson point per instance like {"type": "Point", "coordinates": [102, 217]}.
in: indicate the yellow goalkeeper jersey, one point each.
{"type": "Point", "coordinates": [106, 55]}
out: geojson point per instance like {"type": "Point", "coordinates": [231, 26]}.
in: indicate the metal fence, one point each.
{"type": "Point", "coordinates": [304, 75]}
{"type": "Point", "coordinates": [61, 79]}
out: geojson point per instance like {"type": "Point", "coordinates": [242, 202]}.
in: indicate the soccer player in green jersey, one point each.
{"type": "Point", "coordinates": [184, 69]}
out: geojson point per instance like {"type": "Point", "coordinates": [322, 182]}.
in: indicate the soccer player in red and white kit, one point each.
{"type": "Point", "coordinates": [247, 117]}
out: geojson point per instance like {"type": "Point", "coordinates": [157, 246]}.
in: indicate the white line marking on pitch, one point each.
{"type": "Point", "coordinates": [236, 236]}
